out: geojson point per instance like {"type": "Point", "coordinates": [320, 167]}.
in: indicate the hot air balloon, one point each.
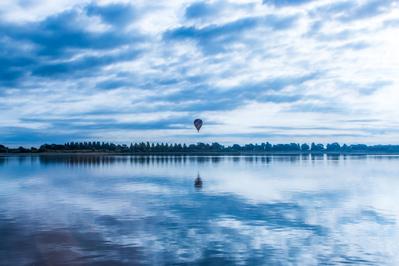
{"type": "Point", "coordinates": [198, 124]}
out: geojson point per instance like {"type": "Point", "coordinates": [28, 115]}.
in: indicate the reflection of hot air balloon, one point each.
{"type": "Point", "coordinates": [198, 124]}
{"type": "Point", "coordinates": [198, 182]}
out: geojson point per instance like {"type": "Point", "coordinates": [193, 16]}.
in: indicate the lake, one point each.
{"type": "Point", "coordinates": [253, 210]}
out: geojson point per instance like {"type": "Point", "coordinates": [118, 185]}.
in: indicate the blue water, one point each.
{"type": "Point", "coordinates": [121, 210]}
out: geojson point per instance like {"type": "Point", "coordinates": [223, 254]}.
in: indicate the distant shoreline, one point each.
{"type": "Point", "coordinates": [194, 153]}
{"type": "Point", "coordinates": [201, 149]}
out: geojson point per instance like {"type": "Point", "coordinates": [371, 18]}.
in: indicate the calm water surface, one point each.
{"type": "Point", "coordinates": [282, 210]}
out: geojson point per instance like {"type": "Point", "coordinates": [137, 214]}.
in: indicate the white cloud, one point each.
{"type": "Point", "coordinates": [243, 65]}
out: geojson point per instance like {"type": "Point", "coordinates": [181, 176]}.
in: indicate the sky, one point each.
{"type": "Point", "coordinates": [254, 71]}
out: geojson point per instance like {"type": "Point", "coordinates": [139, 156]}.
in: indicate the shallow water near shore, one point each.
{"type": "Point", "coordinates": [151, 210]}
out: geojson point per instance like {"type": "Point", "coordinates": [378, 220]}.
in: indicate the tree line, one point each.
{"type": "Point", "coordinates": [147, 147]}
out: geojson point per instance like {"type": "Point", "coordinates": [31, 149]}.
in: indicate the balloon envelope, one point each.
{"type": "Point", "coordinates": [198, 124]}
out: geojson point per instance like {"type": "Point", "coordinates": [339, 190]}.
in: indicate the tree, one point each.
{"type": "Point", "coordinates": [305, 147]}
{"type": "Point", "coordinates": [317, 147]}
{"type": "Point", "coordinates": [3, 149]}
{"type": "Point", "coordinates": [333, 147]}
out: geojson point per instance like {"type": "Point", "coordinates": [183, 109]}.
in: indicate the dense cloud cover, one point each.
{"type": "Point", "coordinates": [283, 71]}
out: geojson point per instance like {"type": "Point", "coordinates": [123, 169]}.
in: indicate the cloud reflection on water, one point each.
{"type": "Point", "coordinates": [145, 210]}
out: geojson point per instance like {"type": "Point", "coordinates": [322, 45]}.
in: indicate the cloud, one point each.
{"type": "Point", "coordinates": [356, 45]}
{"type": "Point", "coordinates": [115, 14]}
{"type": "Point", "coordinates": [125, 68]}
{"type": "Point", "coordinates": [282, 3]}
{"type": "Point", "coordinates": [217, 38]}
{"type": "Point", "coordinates": [84, 64]}
{"type": "Point", "coordinates": [211, 98]}
{"type": "Point", "coordinates": [58, 34]}
{"type": "Point", "coordinates": [50, 46]}
{"type": "Point", "coordinates": [200, 10]}
{"type": "Point", "coordinates": [368, 9]}
{"type": "Point", "coordinates": [392, 23]}
{"type": "Point", "coordinates": [213, 38]}
{"type": "Point", "coordinates": [17, 136]}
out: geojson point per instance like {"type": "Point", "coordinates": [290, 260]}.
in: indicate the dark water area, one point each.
{"type": "Point", "coordinates": [181, 210]}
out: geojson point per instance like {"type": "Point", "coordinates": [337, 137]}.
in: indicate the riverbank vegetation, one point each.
{"type": "Point", "coordinates": [204, 148]}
